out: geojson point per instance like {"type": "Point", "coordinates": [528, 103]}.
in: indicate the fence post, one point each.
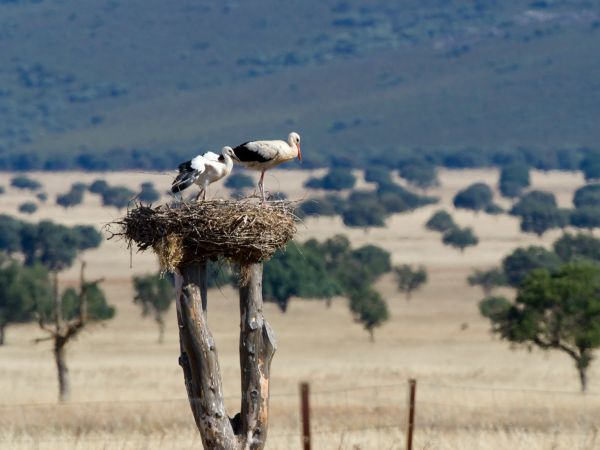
{"type": "Point", "coordinates": [305, 411]}
{"type": "Point", "coordinates": [410, 423]}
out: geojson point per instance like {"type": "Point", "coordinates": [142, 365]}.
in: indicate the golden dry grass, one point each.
{"type": "Point", "coordinates": [473, 392]}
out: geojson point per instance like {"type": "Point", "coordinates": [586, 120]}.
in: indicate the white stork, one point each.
{"type": "Point", "coordinates": [262, 155]}
{"type": "Point", "coordinates": [204, 170]}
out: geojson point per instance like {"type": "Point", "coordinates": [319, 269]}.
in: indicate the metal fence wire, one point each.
{"type": "Point", "coordinates": [357, 418]}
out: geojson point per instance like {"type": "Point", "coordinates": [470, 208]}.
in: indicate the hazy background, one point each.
{"type": "Point", "coordinates": [143, 77]}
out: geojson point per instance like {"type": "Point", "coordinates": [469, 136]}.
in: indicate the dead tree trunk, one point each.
{"type": "Point", "coordinates": [248, 429]}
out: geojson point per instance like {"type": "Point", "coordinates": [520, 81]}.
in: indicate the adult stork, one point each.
{"type": "Point", "coordinates": [262, 155]}
{"type": "Point", "coordinates": [204, 170]}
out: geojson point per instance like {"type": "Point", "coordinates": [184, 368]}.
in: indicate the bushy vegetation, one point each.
{"type": "Point", "coordinates": [25, 183]}
{"type": "Point", "coordinates": [327, 269]}
{"type": "Point", "coordinates": [299, 271]}
{"type": "Point", "coordinates": [588, 195]}
{"type": "Point", "coordinates": [336, 179]}
{"type": "Point", "coordinates": [590, 165]}
{"type": "Point", "coordinates": [365, 209]}
{"type": "Point", "coordinates": [117, 196]}
{"type": "Point", "coordinates": [556, 305]}
{"type": "Point", "coordinates": [410, 279]}
{"type": "Point", "coordinates": [487, 279]}
{"type": "Point", "coordinates": [53, 245]}
{"type": "Point", "coordinates": [98, 308]}
{"type": "Point", "coordinates": [477, 197]}
{"type": "Point", "coordinates": [460, 238]}
{"type": "Point", "coordinates": [26, 291]}
{"type": "Point", "coordinates": [148, 193]}
{"type": "Point", "coordinates": [98, 186]}
{"type": "Point", "coordinates": [520, 262]}
{"type": "Point", "coordinates": [586, 217]}
{"type": "Point", "coordinates": [154, 294]}
{"type": "Point", "coordinates": [538, 212]}
{"type": "Point", "coordinates": [514, 178]}
{"type": "Point", "coordinates": [239, 181]}
{"type": "Point", "coordinates": [440, 221]}
{"type": "Point", "coordinates": [379, 175]}
{"type": "Point", "coordinates": [73, 197]}
{"type": "Point", "coordinates": [558, 309]}
{"type": "Point", "coordinates": [329, 205]}
{"type": "Point", "coordinates": [22, 292]}
{"type": "Point", "coordinates": [575, 247]}
{"type": "Point", "coordinates": [28, 208]}
{"type": "Point", "coordinates": [419, 173]}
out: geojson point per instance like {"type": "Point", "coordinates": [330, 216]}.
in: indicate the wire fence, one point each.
{"type": "Point", "coordinates": [360, 417]}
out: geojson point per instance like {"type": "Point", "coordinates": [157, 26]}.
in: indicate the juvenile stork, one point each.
{"type": "Point", "coordinates": [203, 170]}
{"type": "Point", "coordinates": [262, 155]}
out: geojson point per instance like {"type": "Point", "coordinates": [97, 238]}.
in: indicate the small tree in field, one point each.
{"type": "Point", "coordinates": [410, 279]}
{"type": "Point", "coordinates": [440, 221]}
{"type": "Point", "coordinates": [476, 197]}
{"type": "Point", "coordinates": [558, 310]}
{"type": "Point", "coordinates": [155, 295]}
{"type": "Point", "coordinates": [487, 279]}
{"type": "Point", "coordinates": [56, 247]}
{"type": "Point", "coordinates": [460, 238]}
{"type": "Point", "coordinates": [117, 196]}
{"type": "Point", "coordinates": [369, 309]}
{"type": "Point", "coordinates": [25, 183]}
{"type": "Point", "coordinates": [28, 208]}
{"type": "Point", "coordinates": [66, 316]}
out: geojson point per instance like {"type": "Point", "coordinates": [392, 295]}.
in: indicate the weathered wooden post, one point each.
{"type": "Point", "coordinates": [184, 238]}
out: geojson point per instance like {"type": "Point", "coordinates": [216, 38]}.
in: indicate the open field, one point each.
{"type": "Point", "coordinates": [473, 392]}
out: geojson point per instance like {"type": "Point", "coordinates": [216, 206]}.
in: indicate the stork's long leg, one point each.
{"type": "Point", "coordinates": [201, 192]}
{"type": "Point", "coordinates": [261, 185]}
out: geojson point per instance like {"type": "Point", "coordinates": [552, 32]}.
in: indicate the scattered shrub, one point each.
{"type": "Point", "coordinates": [28, 208]}
{"type": "Point", "coordinates": [26, 183]}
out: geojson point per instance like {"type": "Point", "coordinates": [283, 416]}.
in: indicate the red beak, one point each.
{"type": "Point", "coordinates": [299, 152]}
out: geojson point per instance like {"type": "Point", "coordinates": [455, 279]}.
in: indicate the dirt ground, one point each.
{"type": "Point", "coordinates": [473, 392]}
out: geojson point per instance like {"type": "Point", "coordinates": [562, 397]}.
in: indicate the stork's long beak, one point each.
{"type": "Point", "coordinates": [299, 152]}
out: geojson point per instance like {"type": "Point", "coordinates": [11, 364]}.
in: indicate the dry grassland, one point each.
{"type": "Point", "coordinates": [473, 392]}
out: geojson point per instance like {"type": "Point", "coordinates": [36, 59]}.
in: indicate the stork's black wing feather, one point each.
{"type": "Point", "coordinates": [247, 155]}
{"type": "Point", "coordinates": [185, 167]}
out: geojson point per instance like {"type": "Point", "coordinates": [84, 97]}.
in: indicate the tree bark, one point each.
{"type": "Point", "coordinates": [583, 378]}
{"type": "Point", "coordinates": [257, 347]}
{"type": "Point", "coordinates": [248, 429]}
{"type": "Point", "coordinates": [161, 328]}
{"type": "Point", "coordinates": [64, 382]}
{"type": "Point", "coordinates": [200, 364]}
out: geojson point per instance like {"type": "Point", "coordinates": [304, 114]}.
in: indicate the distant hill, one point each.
{"type": "Point", "coordinates": [143, 83]}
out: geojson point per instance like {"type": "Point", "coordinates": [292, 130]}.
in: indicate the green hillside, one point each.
{"type": "Point", "coordinates": [146, 82]}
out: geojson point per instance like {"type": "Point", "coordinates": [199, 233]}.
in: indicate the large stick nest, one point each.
{"type": "Point", "coordinates": [242, 231]}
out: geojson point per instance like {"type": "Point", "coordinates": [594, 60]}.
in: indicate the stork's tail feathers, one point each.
{"type": "Point", "coordinates": [183, 181]}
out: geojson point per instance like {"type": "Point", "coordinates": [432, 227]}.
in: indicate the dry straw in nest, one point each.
{"type": "Point", "coordinates": [242, 231]}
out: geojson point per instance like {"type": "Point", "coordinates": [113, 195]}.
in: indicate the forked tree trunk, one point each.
{"type": "Point", "coordinates": [248, 429]}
